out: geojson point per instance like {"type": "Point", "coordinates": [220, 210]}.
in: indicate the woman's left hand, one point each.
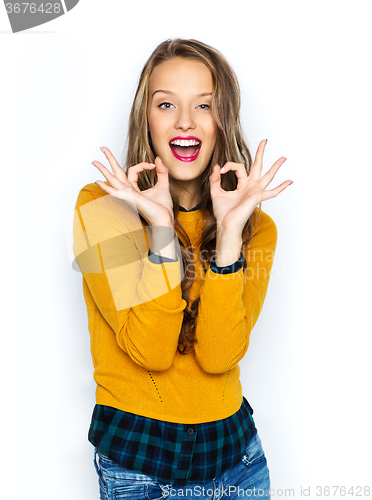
{"type": "Point", "coordinates": [232, 209]}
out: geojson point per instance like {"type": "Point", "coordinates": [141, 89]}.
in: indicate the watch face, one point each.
{"type": "Point", "coordinates": [23, 16]}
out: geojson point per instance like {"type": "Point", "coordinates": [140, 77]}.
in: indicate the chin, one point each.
{"type": "Point", "coordinates": [187, 172]}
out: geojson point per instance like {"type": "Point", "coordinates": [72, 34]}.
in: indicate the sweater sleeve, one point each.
{"type": "Point", "coordinates": [140, 300]}
{"type": "Point", "coordinates": [230, 304]}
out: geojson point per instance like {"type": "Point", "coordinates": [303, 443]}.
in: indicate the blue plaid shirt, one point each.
{"type": "Point", "coordinates": [176, 454]}
{"type": "Point", "coordinates": [173, 453]}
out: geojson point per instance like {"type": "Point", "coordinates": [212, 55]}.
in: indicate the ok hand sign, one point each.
{"type": "Point", "coordinates": [154, 204]}
{"type": "Point", "coordinates": [232, 209]}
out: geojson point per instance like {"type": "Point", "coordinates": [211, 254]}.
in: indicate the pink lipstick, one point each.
{"type": "Point", "coordinates": [185, 148]}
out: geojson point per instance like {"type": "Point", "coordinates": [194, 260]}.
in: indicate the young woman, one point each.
{"type": "Point", "coordinates": [173, 294]}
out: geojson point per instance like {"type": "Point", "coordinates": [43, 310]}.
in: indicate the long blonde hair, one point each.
{"type": "Point", "coordinates": [230, 146]}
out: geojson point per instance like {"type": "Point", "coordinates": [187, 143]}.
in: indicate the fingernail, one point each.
{"type": "Point", "coordinates": [96, 183]}
{"type": "Point", "coordinates": [285, 160]}
{"type": "Point", "coordinates": [222, 170]}
{"type": "Point", "coordinates": [93, 165]}
{"type": "Point", "coordinates": [102, 150]}
{"type": "Point", "coordinates": [266, 141]}
{"type": "Point", "coordinates": [152, 164]}
{"type": "Point", "coordinates": [291, 182]}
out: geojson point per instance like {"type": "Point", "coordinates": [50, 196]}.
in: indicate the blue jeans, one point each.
{"type": "Point", "coordinates": [249, 479]}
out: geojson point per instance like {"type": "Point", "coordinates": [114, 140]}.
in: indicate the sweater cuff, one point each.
{"type": "Point", "coordinates": [158, 259]}
{"type": "Point", "coordinates": [232, 268]}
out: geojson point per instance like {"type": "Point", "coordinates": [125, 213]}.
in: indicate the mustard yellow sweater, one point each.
{"type": "Point", "coordinates": [135, 312]}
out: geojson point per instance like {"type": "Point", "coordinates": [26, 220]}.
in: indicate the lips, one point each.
{"type": "Point", "coordinates": [185, 148]}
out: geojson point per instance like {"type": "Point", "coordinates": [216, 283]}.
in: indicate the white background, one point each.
{"type": "Point", "coordinates": [66, 90]}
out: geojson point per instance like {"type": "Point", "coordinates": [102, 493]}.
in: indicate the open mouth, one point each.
{"type": "Point", "coordinates": [185, 148]}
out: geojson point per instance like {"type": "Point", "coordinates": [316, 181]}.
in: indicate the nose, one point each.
{"type": "Point", "coordinates": [184, 119]}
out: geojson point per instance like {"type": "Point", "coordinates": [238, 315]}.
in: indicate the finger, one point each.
{"type": "Point", "coordinates": [126, 194]}
{"type": "Point", "coordinates": [132, 174]}
{"type": "Point", "coordinates": [105, 187]}
{"type": "Point", "coordinates": [160, 167]}
{"type": "Point", "coordinates": [215, 180]}
{"type": "Point", "coordinates": [271, 193]}
{"type": "Point", "coordinates": [257, 164]}
{"type": "Point", "coordinates": [268, 177]}
{"type": "Point", "coordinates": [116, 168]}
{"type": "Point", "coordinates": [215, 176]}
{"type": "Point", "coordinates": [239, 168]}
{"type": "Point", "coordinates": [162, 172]}
{"type": "Point", "coordinates": [114, 181]}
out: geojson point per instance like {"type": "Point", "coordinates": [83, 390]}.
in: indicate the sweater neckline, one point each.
{"type": "Point", "coordinates": [190, 215]}
{"type": "Point", "coordinates": [182, 209]}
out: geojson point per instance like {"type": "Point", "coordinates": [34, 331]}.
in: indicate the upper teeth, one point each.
{"type": "Point", "coordinates": [183, 142]}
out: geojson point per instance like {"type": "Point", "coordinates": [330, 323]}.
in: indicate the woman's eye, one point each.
{"type": "Point", "coordinates": [165, 105]}
{"type": "Point", "coordinates": [204, 106]}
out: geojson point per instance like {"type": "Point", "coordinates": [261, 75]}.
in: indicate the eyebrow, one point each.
{"type": "Point", "coordinates": [172, 93]}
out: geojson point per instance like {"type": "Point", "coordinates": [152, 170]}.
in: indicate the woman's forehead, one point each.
{"type": "Point", "coordinates": [180, 75]}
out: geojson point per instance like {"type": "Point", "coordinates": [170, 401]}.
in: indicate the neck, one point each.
{"type": "Point", "coordinates": [190, 202]}
{"type": "Point", "coordinates": [189, 196]}
{"type": "Point", "coordinates": [189, 206]}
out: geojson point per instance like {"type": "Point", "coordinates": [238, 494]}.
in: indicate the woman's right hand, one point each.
{"type": "Point", "coordinates": [154, 204]}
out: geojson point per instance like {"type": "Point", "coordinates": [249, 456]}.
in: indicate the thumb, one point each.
{"type": "Point", "coordinates": [162, 173]}
{"type": "Point", "coordinates": [215, 176]}
{"type": "Point", "coordinates": [160, 167]}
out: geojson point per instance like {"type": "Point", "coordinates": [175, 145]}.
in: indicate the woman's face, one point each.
{"type": "Point", "coordinates": [182, 128]}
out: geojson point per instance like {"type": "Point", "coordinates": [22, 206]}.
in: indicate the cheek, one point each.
{"type": "Point", "coordinates": [213, 137]}
{"type": "Point", "coordinates": [213, 132]}
{"type": "Point", "coordinates": [153, 123]}
{"type": "Point", "coordinates": [150, 125]}
{"type": "Point", "coordinates": [154, 135]}
{"type": "Point", "coordinates": [157, 128]}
